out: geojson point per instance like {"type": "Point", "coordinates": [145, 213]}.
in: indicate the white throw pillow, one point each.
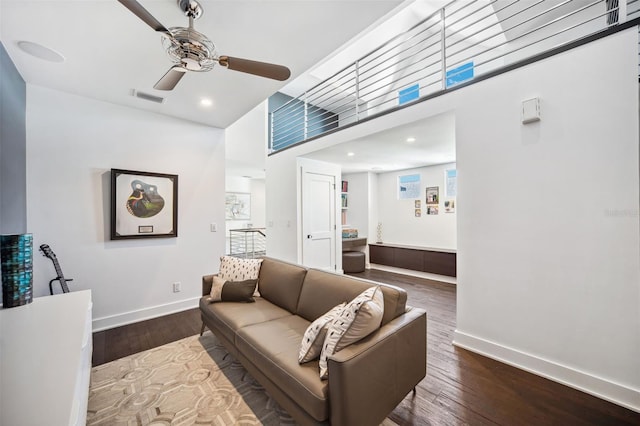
{"type": "Point", "coordinates": [236, 269]}
{"type": "Point", "coordinates": [313, 338]}
{"type": "Point", "coordinates": [359, 318]}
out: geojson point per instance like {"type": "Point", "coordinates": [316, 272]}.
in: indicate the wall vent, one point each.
{"type": "Point", "coordinates": [147, 96]}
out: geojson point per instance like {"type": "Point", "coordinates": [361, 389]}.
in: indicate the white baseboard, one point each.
{"type": "Point", "coordinates": [130, 317]}
{"type": "Point", "coordinates": [604, 389]}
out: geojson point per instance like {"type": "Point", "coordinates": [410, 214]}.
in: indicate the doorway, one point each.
{"type": "Point", "coordinates": [319, 215]}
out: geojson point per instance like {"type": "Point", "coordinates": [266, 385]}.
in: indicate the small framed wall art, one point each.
{"type": "Point", "coordinates": [433, 195]}
{"type": "Point", "coordinates": [143, 204]}
{"type": "Point", "coordinates": [237, 206]}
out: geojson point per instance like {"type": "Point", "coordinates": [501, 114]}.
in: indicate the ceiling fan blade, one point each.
{"type": "Point", "coordinates": [262, 69]}
{"type": "Point", "coordinates": [143, 14]}
{"type": "Point", "coordinates": [170, 79]}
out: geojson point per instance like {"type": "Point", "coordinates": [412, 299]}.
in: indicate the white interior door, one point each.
{"type": "Point", "coordinates": [319, 221]}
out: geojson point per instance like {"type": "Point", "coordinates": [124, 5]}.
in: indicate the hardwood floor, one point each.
{"type": "Point", "coordinates": [109, 345]}
{"type": "Point", "coordinates": [460, 388]}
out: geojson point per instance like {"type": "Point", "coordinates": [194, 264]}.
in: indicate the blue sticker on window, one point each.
{"type": "Point", "coordinates": [460, 74]}
{"type": "Point", "coordinates": [409, 94]}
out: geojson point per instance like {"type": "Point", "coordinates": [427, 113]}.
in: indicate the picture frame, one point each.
{"type": "Point", "coordinates": [433, 196]}
{"type": "Point", "coordinates": [237, 206]}
{"type": "Point", "coordinates": [408, 186]}
{"type": "Point", "coordinates": [143, 205]}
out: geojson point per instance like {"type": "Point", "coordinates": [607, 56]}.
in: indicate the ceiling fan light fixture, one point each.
{"type": "Point", "coordinates": [189, 48]}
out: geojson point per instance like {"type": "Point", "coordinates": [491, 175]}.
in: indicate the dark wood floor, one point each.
{"type": "Point", "coordinates": [460, 388]}
{"type": "Point", "coordinates": [119, 342]}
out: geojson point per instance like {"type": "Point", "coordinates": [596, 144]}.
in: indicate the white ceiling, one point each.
{"type": "Point", "coordinates": [389, 150]}
{"type": "Point", "coordinates": [109, 51]}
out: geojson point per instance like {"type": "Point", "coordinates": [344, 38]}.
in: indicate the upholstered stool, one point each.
{"type": "Point", "coordinates": [353, 261]}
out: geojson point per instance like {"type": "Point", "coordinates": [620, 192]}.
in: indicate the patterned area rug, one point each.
{"type": "Point", "coordinates": [191, 381]}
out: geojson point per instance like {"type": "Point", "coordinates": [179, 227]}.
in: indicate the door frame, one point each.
{"type": "Point", "coordinates": [306, 165]}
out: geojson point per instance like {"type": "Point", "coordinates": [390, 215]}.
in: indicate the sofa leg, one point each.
{"type": "Point", "coordinates": [202, 328]}
{"type": "Point", "coordinates": [414, 391]}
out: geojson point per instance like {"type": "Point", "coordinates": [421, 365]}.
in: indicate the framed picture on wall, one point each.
{"type": "Point", "coordinates": [451, 183]}
{"type": "Point", "coordinates": [143, 204]}
{"type": "Point", "coordinates": [237, 206]}
{"type": "Point", "coordinates": [408, 187]}
{"type": "Point", "coordinates": [433, 195]}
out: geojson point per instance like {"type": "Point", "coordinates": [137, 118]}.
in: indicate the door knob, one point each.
{"type": "Point", "coordinates": [309, 236]}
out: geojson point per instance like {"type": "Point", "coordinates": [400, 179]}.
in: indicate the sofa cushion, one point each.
{"type": "Point", "coordinates": [280, 283]}
{"type": "Point", "coordinates": [236, 269]}
{"type": "Point", "coordinates": [232, 291]}
{"type": "Point", "coordinates": [273, 348]}
{"type": "Point", "coordinates": [230, 316]}
{"type": "Point", "coordinates": [323, 290]}
{"type": "Point", "coordinates": [357, 320]}
{"type": "Point", "coordinates": [313, 339]}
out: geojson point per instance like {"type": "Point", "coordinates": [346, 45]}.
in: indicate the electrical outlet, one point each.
{"type": "Point", "coordinates": [177, 286]}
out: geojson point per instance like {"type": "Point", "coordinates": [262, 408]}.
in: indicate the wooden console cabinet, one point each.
{"type": "Point", "coordinates": [435, 261]}
{"type": "Point", "coordinates": [45, 366]}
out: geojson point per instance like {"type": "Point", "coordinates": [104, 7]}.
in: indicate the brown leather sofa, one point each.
{"type": "Point", "coordinates": [366, 379]}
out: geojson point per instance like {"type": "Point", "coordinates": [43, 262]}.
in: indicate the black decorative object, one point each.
{"type": "Point", "coordinates": [16, 254]}
{"type": "Point", "coordinates": [143, 204]}
{"type": "Point", "coordinates": [47, 252]}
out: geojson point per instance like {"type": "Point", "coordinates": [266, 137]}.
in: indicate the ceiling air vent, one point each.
{"type": "Point", "coordinates": [147, 96]}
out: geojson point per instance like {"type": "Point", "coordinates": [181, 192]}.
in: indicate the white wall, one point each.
{"type": "Point", "coordinates": [281, 206]}
{"type": "Point", "coordinates": [537, 248]}
{"type": "Point", "coordinates": [242, 185]}
{"type": "Point", "coordinates": [72, 143]}
{"type": "Point", "coordinates": [399, 223]}
{"type": "Point", "coordinates": [245, 157]}
{"type": "Point", "coordinates": [548, 232]}
{"type": "Point", "coordinates": [242, 157]}
{"type": "Point", "coordinates": [256, 188]}
{"type": "Point", "coordinates": [258, 206]}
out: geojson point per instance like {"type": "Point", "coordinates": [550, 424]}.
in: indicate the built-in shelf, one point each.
{"type": "Point", "coordinates": [344, 201]}
{"type": "Point", "coordinates": [424, 259]}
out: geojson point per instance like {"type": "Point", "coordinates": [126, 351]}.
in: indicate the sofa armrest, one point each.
{"type": "Point", "coordinates": [207, 282]}
{"type": "Point", "coordinates": [368, 379]}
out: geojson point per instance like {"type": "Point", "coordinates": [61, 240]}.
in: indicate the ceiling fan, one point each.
{"type": "Point", "coordinates": [193, 51]}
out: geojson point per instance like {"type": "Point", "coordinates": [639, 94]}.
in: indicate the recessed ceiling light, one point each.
{"type": "Point", "coordinates": [350, 154]}
{"type": "Point", "coordinates": [40, 51]}
{"type": "Point", "coordinates": [411, 140]}
{"type": "Point", "coordinates": [206, 102]}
